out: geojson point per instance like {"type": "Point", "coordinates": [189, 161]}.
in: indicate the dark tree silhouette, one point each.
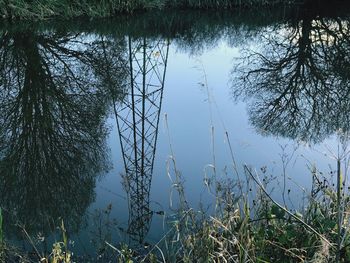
{"type": "Point", "coordinates": [297, 79]}
{"type": "Point", "coordinates": [53, 101]}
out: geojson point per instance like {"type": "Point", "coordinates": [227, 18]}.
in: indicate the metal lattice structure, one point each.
{"type": "Point", "coordinates": [138, 119]}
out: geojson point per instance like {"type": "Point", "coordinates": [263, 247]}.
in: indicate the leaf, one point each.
{"type": "Point", "coordinates": [64, 235]}
{"type": "Point", "coordinates": [278, 212]}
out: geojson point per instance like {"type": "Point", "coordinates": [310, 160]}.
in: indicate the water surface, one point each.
{"type": "Point", "coordinates": [94, 115]}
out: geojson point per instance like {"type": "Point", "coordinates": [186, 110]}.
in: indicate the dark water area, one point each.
{"type": "Point", "coordinates": [99, 116]}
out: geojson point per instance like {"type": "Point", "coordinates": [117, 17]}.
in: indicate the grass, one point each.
{"type": "Point", "coordinates": [9, 254]}
{"type": "Point", "coordinates": [1, 232]}
{"type": "Point", "coordinates": [41, 9]}
{"type": "Point", "coordinates": [58, 254]}
{"type": "Point", "coordinates": [247, 225]}
{"type": "Point", "coordinates": [253, 228]}
{"type": "Point", "coordinates": [1, 238]}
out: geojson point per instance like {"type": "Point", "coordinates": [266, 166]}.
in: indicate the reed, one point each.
{"type": "Point", "coordinates": [1, 239]}
{"type": "Point", "coordinates": [262, 230]}
{"type": "Point", "coordinates": [246, 226]}
{"type": "Point", "coordinates": [1, 231]}
{"type": "Point", "coordinates": [41, 9]}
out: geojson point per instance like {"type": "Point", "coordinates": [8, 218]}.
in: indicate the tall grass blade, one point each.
{"type": "Point", "coordinates": [1, 229]}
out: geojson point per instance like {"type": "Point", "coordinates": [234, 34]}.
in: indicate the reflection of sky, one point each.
{"type": "Point", "coordinates": [186, 105]}
{"type": "Point", "coordinates": [324, 32]}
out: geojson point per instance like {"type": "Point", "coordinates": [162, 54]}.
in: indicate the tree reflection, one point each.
{"type": "Point", "coordinates": [298, 78]}
{"type": "Point", "coordinates": [53, 100]}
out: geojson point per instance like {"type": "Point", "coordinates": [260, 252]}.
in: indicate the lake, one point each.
{"type": "Point", "coordinates": [107, 125]}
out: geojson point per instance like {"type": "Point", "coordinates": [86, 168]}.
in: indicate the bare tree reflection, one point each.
{"type": "Point", "coordinates": [53, 101]}
{"type": "Point", "coordinates": [297, 79]}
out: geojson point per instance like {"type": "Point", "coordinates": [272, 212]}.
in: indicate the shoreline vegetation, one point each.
{"type": "Point", "coordinates": [247, 226]}
{"type": "Point", "coordinates": [44, 9]}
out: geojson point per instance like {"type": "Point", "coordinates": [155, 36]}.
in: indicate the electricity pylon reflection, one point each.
{"type": "Point", "coordinates": [138, 119]}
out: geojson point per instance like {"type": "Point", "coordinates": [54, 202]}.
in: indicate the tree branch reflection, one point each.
{"type": "Point", "coordinates": [53, 99]}
{"type": "Point", "coordinates": [297, 79]}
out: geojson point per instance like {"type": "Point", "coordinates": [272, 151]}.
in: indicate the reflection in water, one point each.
{"type": "Point", "coordinates": [299, 79]}
{"type": "Point", "coordinates": [137, 119]}
{"type": "Point", "coordinates": [52, 135]}
{"type": "Point", "coordinates": [55, 88]}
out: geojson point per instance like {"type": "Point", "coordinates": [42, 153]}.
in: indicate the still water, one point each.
{"type": "Point", "coordinates": [97, 117]}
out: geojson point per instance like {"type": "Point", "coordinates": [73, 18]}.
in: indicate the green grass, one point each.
{"type": "Point", "coordinates": [251, 228]}
{"type": "Point", "coordinates": [41, 9]}
{"type": "Point", "coordinates": [1, 231]}
{"type": "Point", "coordinates": [1, 239]}
{"type": "Point", "coordinates": [246, 226]}
{"type": "Point", "coordinates": [255, 228]}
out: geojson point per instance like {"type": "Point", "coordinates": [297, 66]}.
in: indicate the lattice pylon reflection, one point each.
{"type": "Point", "coordinates": [138, 120]}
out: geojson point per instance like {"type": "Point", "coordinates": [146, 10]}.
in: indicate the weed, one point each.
{"type": "Point", "coordinates": [33, 10]}
{"type": "Point", "coordinates": [1, 231]}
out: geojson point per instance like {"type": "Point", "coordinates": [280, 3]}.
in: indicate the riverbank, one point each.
{"type": "Point", "coordinates": [37, 10]}
{"type": "Point", "coordinates": [247, 227]}
{"type": "Point", "coordinates": [59, 80]}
